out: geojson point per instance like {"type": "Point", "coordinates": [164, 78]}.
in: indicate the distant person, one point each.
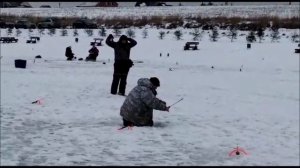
{"type": "Point", "coordinates": [94, 52]}
{"type": "Point", "coordinates": [122, 62]}
{"type": "Point", "coordinates": [137, 109]}
{"type": "Point", "coordinates": [69, 54]}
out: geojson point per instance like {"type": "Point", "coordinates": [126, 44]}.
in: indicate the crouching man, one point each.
{"type": "Point", "coordinates": [137, 109]}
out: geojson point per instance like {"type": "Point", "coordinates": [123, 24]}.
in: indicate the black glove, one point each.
{"type": "Point", "coordinates": [110, 36]}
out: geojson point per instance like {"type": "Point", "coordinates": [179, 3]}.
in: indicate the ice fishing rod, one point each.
{"type": "Point", "coordinates": [176, 102]}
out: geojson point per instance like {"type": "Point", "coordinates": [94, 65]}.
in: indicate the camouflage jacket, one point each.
{"type": "Point", "coordinates": [140, 102]}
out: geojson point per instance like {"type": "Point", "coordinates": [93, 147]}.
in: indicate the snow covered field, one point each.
{"type": "Point", "coordinates": [76, 124]}
{"type": "Point", "coordinates": [282, 11]}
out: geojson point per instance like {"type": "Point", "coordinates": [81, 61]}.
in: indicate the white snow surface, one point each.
{"type": "Point", "coordinates": [282, 11]}
{"type": "Point", "coordinates": [77, 123]}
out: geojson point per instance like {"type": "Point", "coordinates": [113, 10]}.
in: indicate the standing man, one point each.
{"type": "Point", "coordinates": [122, 62]}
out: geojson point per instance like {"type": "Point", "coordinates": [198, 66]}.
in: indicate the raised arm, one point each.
{"type": "Point", "coordinates": [150, 100]}
{"type": "Point", "coordinates": [110, 41]}
{"type": "Point", "coordinates": [132, 42]}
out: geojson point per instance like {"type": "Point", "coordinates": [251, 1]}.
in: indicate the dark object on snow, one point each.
{"type": "Point", "coordinates": [192, 45]}
{"type": "Point", "coordinates": [19, 63]}
{"type": "Point", "coordinates": [80, 59]}
{"type": "Point", "coordinates": [297, 50]}
{"type": "Point", "coordinates": [8, 39]}
{"type": "Point", "coordinates": [122, 62]}
{"type": "Point", "coordinates": [212, 67]}
{"type": "Point", "coordinates": [38, 56]}
{"type": "Point", "coordinates": [160, 54]}
{"type": "Point", "coordinates": [248, 46]}
{"type": "Point", "coordinates": [33, 39]}
{"type": "Point", "coordinates": [76, 40]}
{"type": "Point", "coordinates": [104, 63]}
{"type": "Point", "coordinates": [299, 45]}
{"type": "Point", "coordinates": [168, 55]}
{"type": "Point", "coordinates": [69, 54]}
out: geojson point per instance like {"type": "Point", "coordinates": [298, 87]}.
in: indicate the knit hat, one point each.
{"type": "Point", "coordinates": [155, 81]}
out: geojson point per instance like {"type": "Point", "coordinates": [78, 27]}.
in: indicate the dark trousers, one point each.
{"type": "Point", "coordinates": [91, 57]}
{"type": "Point", "coordinates": [121, 70]}
{"type": "Point", "coordinates": [128, 123]}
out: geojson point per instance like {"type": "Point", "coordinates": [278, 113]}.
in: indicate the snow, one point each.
{"type": "Point", "coordinates": [282, 11]}
{"type": "Point", "coordinates": [77, 123]}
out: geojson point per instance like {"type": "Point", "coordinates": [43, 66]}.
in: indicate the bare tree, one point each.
{"type": "Point", "coordinates": [42, 31]}
{"type": "Point", "coordinates": [162, 34]}
{"type": "Point", "coordinates": [178, 34]}
{"type": "Point", "coordinates": [251, 37]}
{"type": "Point", "coordinates": [145, 33]}
{"type": "Point", "coordinates": [215, 34]}
{"type": "Point", "coordinates": [64, 32]}
{"type": "Point", "coordinates": [75, 33]}
{"type": "Point", "coordinates": [197, 35]}
{"type": "Point", "coordinates": [232, 33]}
{"type": "Point", "coordinates": [89, 32]}
{"type": "Point", "coordinates": [274, 34]}
{"type": "Point", "coordinates": [260, 33]}
{"type": "Point", "coordinates": [18, 32]}
{"type": "Point", "coordinates": [294, 37]}
{"type": "Point", "coordinates": [130, 33]}
{"type": "Point", "coordinates": [102, 32]}
{"type": "Point", "coordinates": [51, 32]}
{"type": "Point", "coordinates": [117, 32]}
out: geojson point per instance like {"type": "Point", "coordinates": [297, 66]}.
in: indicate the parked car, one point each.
{"type": "Point", "coordinates": [25, 24]}
{"type": "Point", "coordinates": [48, 23]}
{"type": "Point", "coordinates": [83, 24]}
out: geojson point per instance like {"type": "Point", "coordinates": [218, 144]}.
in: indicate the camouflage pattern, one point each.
{"type": "Point", "coordinates": [140, 102]}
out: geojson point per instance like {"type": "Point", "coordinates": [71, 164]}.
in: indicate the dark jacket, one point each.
{"type": "Point", "coordinates": [94, 51]}
{"type": "Point", "coordinates": [69, 52]}
{"type": "Point", "coordinates": [122, 51]}
{"type": "Point", "coordinates": [140, 102]}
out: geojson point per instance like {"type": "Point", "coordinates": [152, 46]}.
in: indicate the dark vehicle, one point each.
{"type": "Point", "coordinates": [9, 25]}
{"type": "Point", "coordinates": [2, 24]}
{"type": "Point", "coordinates": [8, 40]}
{"type": "Point", "coordinates": [45, 6]}
{"type": "Point", "coordinates": [25, 24]}
{"type": "Point", "coordinates": [83, 24]}
{"type": "Point", "coordinates": [48, 23]}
